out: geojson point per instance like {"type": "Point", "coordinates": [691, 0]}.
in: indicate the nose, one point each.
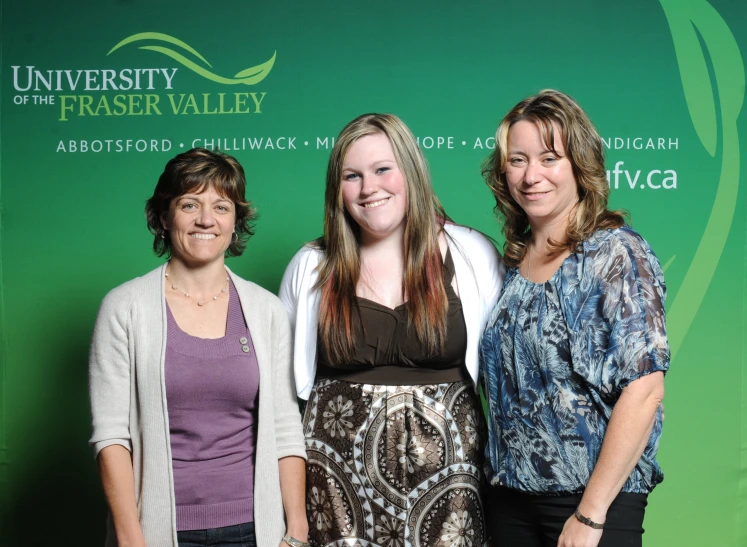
{"type": "Point", "coordinates": [532, 174]}
{"type": "Point", "coordinates": [369, 186]}
{"type": "Point", "coordinates": [205, 218]}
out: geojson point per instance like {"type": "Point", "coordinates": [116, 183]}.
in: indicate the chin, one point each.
{"type": "Point", "coordinates": [380, 232]}
{"type": "Point", "coordinates": [201, 260]}
{"type": "Point", "coordinates": [537, 210]}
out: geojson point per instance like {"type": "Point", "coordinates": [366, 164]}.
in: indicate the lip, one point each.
{"type": "Point", "coordinates": [374, 203]}
{"type": "Point", "coordinates": [202, 236]}
{"type": "Point", "coordinates": [534, 196]}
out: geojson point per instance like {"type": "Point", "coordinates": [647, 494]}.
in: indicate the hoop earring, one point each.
{"type": "Point", "coordinates": [234, 240]}
{"type": "Point", "coordinates": [163, 234]}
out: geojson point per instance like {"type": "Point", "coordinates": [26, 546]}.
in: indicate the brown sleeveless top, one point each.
{"type": "Point", "coordinates": [388, 350]}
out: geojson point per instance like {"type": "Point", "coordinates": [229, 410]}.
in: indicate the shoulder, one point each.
{"type": "Point", "coordinates": [623, 242]}
{"type": "Point", "coordinates": [303, 263]}
{"type": "Point", "coordinates": [622, 251]}
{"type": "Point", "coordinates": [125, 295]}
{"type": "Point", "coordinates": [471, 241]}
{"type": "Point", "coordinates": [474, 248]}
{"type": "Point", "coordinates": [308, 255]}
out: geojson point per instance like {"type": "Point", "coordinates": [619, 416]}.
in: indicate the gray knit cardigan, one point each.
{"type": "Point", "coordinates": [128, 401]}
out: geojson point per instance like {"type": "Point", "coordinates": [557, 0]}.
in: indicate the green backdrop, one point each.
{"type": "Point", "coordinates": [118, 88]}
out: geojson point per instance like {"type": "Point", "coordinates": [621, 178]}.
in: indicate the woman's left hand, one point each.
{"type": "Point", "coordinates": [577, 534]}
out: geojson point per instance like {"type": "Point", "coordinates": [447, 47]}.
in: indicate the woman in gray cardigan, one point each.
{"type": "Point", "coordinates": [196, 430]}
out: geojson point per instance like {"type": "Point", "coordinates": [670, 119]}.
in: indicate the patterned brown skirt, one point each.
{"type": "Point", "coordinates": [394, 466]}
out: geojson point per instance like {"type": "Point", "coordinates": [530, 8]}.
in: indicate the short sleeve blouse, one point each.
{"type": "Point", "coordinates": [555, 358]}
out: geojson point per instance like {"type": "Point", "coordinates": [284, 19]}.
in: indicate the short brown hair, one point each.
{"type": "Point", "coordinates": [194, 171]}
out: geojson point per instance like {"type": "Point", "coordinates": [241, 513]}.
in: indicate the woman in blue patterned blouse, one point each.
{"type": "Point", "coordinates": [574, 355]}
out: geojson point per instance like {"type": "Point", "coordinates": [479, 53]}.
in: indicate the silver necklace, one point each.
{"type": "Point", "coordinates": [177, 289]}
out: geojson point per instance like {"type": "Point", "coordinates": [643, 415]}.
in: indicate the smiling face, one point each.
{"type": "Point", "coordinates": [374, 190]}
{"type": "Point", "coordinates": [541, 182]}
{"type": "Point", "coordinates": [200, 227]}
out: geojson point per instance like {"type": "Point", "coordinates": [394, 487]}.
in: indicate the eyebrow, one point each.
{"type": "Point", "coordinates": [196, 198]}
{"type": "Point", "coordinates": [377, 162]}
{"type": "Point", "coordinates": [545, 151]}
{"type": "Point", "coordinates": [387, 160]}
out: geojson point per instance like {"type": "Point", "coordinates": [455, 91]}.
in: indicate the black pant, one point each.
{"type": "Point", "coordinates": [523, 520]}
{"type": "Point", "coordinates": [238, 535]}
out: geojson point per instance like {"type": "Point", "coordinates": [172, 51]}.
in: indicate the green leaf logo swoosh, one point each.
{"type": "Point", "coordinates": [249, 76]}
{"type": "Point", "coordinates": [728, 70]}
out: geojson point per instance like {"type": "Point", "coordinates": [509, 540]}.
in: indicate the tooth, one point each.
{"type": "Point", "coordinates": [374, 203]}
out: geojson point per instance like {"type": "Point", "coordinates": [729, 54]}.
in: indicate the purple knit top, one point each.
{"type": "Point", "coordinates": [212, 389]}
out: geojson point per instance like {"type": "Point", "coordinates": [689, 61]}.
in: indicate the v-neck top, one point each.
{"type": "Point", "coordinates": [388, 350]}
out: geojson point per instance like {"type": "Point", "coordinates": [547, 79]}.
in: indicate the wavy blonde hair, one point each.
{"type": "Point", "coordinates": [340, 268]}
{"type": "Point", "coordinates": [548, 110]}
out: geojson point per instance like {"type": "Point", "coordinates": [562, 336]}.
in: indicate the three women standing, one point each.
{"type": "Point", "coordinates": [575, 352]}
{"type": "Point", "coordinates": [388, 308]}
{"type": "Point", "coordinates": [387, 311]}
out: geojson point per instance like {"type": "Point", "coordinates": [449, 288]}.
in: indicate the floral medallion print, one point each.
{"type": "Point", "coordinates": [457, 530]}
{"type": "Point", "coordinates": [337, 416]}
{"type": "Point", "coordinates": [391, 532]}
{"type": "Point", "coordinates": [470, 428]}
{"type": "Point", "coordinates": [335, 503]}
{"type": "Point", "coordinates": [319, 509]}
{"type": "Point", "coordinates": [410, 453]}
{"type": "Point", "coordinates": [395, 464]}
{"type": "Point", "coordinates": [334, 413]}
{"type": "Point", "coordinates": [447, 510]}
{"type": "Point", "coordinates": [420, 446]}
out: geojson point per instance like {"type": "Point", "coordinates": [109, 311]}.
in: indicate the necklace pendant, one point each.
{"type": "Point", "coordinates": [186, 294]}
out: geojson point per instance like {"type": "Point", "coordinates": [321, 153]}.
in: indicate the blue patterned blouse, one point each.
{"type": "Point", "coordinates": [556, 355]}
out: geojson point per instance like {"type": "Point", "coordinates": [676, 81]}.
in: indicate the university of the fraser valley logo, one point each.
{"type": "Point", "coordinates": [142, 91]}
{"type": "Point", "coordinates": [248, 76]}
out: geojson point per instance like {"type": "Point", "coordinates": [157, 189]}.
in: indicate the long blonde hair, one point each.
{"type": "Point", "coordinates": [583, 147]}
{"type": "Point", "coordinates": [340, 268]}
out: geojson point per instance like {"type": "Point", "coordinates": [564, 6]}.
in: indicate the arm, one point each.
{"type": "Point", "coordinates": [635, 360]}
{"type": "Point", "coordinates": [293, 489]}
{"type": "Point", "coordinates": [626, 437]}
{"type": "Point", "coordinates": [496, 274]}
{"type": "Point", "coordinates": [485, 263]}
{"type": "Point", "coordinates": [289, 287]}
{"type": "Point", "coordinates": [118, 480]}
{"type": "Point", "coordinates": [290, 441]}
{"type": "Point", "coordinates": [302, 307]}
{"type": "Point", "coordinates": [109, 386]}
